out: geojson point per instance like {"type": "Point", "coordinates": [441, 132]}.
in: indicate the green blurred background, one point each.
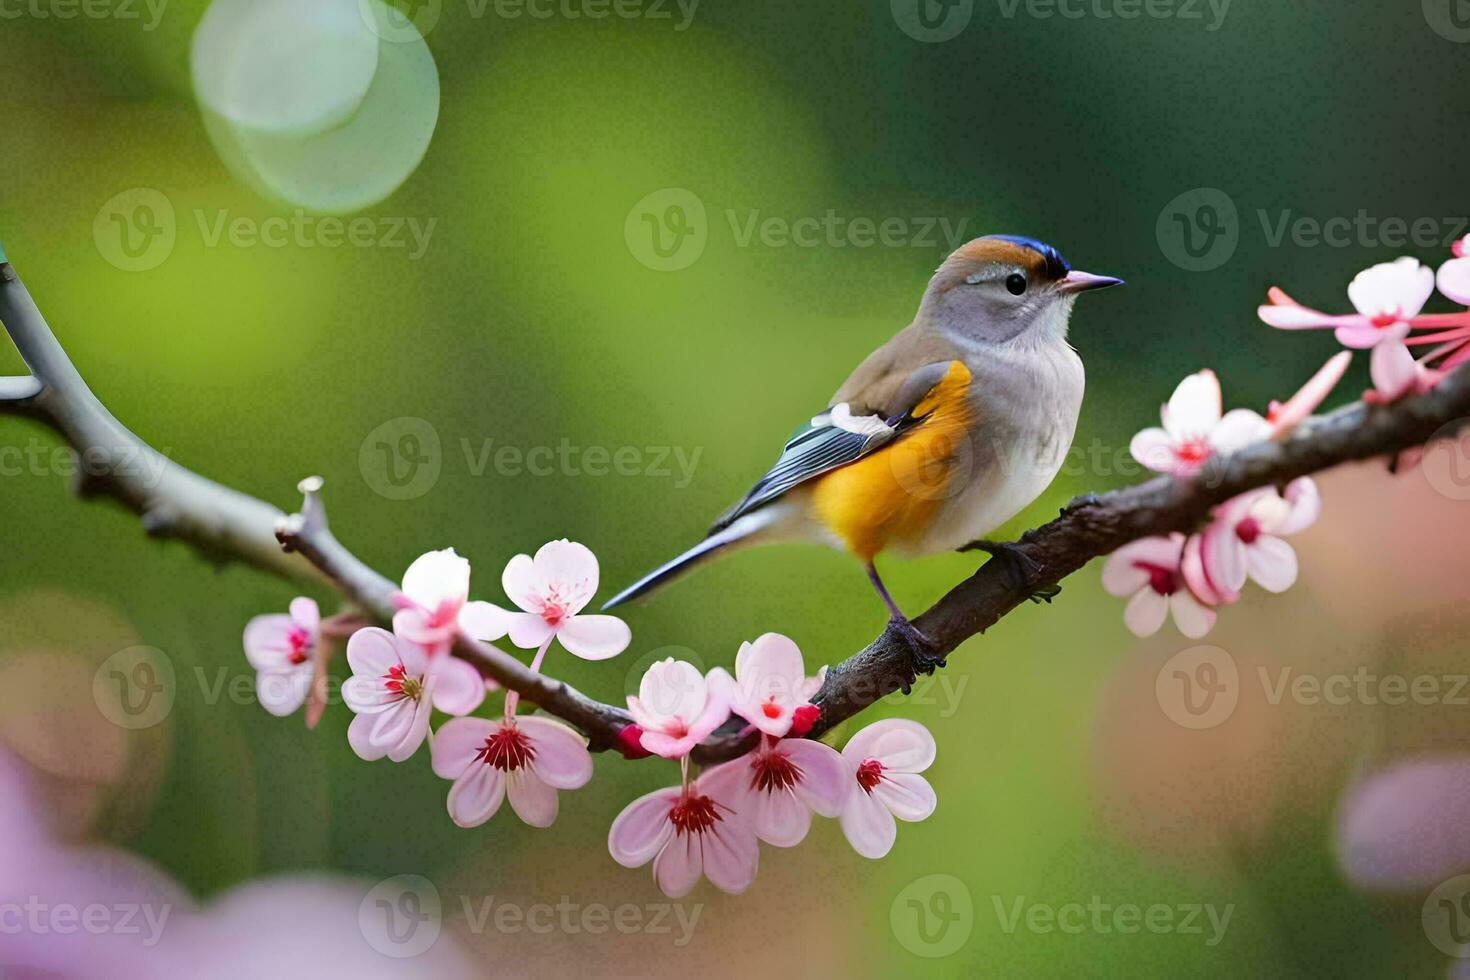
{"type": "Point", "coordinates": [532, 319]}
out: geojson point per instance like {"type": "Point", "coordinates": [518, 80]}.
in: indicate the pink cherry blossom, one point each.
{"type": "Point", "coordinates": [676, 708]}
{"type": "Point", "coordinates": [1386, 297]}
{"type": "Point", "coordinates": [393, 686]}
{"type": "Point", "coordinates": [1245, 538]}
{"type": "Point", "coordinates": [1395, 373]}
{"type": "Point", "coordinates": [1194, 429]}
{"type": "Point", "coordinates": [770, 684]}
{"type": "Point", "coordinates": [781, 783]}
{"type": "Point", "coordinates": [525, 760]}
{"type": "Point", "coordinates": [1149, 572]}
{"type": "Point", "coordinates": [433, 603]}
{"type": "Point", "coordinates": [282, 649]}
{"type": "Point", "coordinates": [884, 760]}
{"type": "Point", "coordinates": [688, 832]}
{"type": "Point", "coordinates": [551, 590]}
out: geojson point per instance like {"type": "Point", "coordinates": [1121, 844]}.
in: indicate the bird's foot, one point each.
{"type": "Point", "coordinates": [925, 654]}
{"type": "Point", "coordinates": [1023, 570]}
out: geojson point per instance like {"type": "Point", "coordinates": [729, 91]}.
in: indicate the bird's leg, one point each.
{"type": "Point", "coordinates": [1022, 567]}
{"type": "Point", "coordinates": [922, 648]}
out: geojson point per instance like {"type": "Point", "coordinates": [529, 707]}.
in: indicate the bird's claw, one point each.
{"type": "Point", "coordinates": [926, 656]}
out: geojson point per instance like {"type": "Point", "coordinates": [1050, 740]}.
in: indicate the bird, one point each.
{"type": "Point", "coordinates": [939, 436]}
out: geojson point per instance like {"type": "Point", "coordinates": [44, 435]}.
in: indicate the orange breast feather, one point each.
{"type": "Point", "coordinates": [894, 493]}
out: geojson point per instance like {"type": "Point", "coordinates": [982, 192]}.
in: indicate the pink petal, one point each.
{"type": "Point", "coordinates": [456, 744]}
{"type": "Point", "coordinates": [778, 817]}
{"type": "Point", "coordinates": [1223, 554]}
{"type": "Point", "coordinates": [266, 640]}
{"type": "Point", "coordinates": [1402, 285]}
{"type": "Point", "coordinates": [868, 825]}
{"type": "Point", "coordinates": [594, 637]}
{"type": "Point", "coordinates": [667, 746]}
{"type": "Point", "coordinates": [907, 795]}
{"type": "Point", "coordinates": [282, 691]}
{"type": "Point", "coordinates": [367, 695]}
{"type": "Point", "coordinates": [731, 856]}
{"type": "Point", "coordinates": [1454, 280]}
{"type": "Point", "coordinates": [1161, 551]}
{"type": "Point", "coordinates": [825, 777]}
{"type": "Point", "coordinates": [476, 795]}
{"type": "Point", "coordinates": [642, 828]}
{"type": "Point", "coordinates": [562, 760]}
{"type": "Point", "coordinates": [1295, 317]}
{"type": "Point", "coordinates": [483, 620]}
{"type": "Point", "coordinates": [371, 651]}
{"type": "Point", "coordinates": [1121, 575]}
{"type": "Point", "coordinates": [524, 584]}
{"type": "Point", "coordinates": [413, 624]}
{"type": "Point", "coordinates": [771, 655]}
{"type": "Point", "coordinates": [1306, 506]}
{"type": "Point", "coordinates": [1145, 612]}
{"type": "Point", "coordinates": [531, 799]}
{"type": "Point", "coordinates": [437, 577]}
{"type": "Point", "coordinates": [1272, 563]}
{"type": "Point", "coordinates": [1197, 578]}
{"type": "Point", "coordinates": [458, 687]}
{"type": "Point", "coordinates": [399, 729]}
{"type": "Point", "coordinates": [672, 689]}
{"type": "Point", "coordinates": [1301, 405]}
{"type": "Point", "coordinates": [1194, 408]}
{"type": "Point", "coordinates": [528, 630]}
{"type": "Point", "coordinates": [359, 736]}
{"type": "Point", "coordinates": [571, 569]}
{"type": "Point", "coordinates": [713, 716]}
{"type": "Point", "coordinates": [306, 613]}
{"type": "Point", "coordinates": [678, 866]}
{"type": "Point", "coordinates": [1362, 335]}
{"type": "Point", "coordinates": [1193, 617]}
{"type": "Point", "coordinates": [902, 745]}
{"type": "Point", "coordinates": [1239, 428]}
{"type": "Point", "coordinates": [1154, 449]}
{"type": "Point", "coordinates": [1393, 369]}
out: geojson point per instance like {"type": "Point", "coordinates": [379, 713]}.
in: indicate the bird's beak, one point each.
{"type": "Point", "coordinates": [1080, 282]}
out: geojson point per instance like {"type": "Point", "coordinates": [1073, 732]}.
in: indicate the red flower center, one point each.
{"type": "Point", "coordinates": [771, 710]}
{"type": "Point", "coordinates": [1248, 530]}
{"type": "Point", "coordinates": [869, 774]}
{"type": "Point", "coordinates": [1195, 450]}
{"type": "Point", "coordinates": [506, 749]}
{"type": "Point", "coordinates": [773, 770]}
{"type": "Point", "coordinates": [398, 681]}
{"type": "Point", "coordinates": [693, 815]}
{"type": "Point", "coordinates": [1164, 581]}
{"type": "Point", "coordinates": [1387, 318]}
{"type": "Point", "coordinates": [297, 641]}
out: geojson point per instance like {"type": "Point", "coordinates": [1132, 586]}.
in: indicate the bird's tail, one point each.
{"type": "Point", "coordinates": [740, 532]}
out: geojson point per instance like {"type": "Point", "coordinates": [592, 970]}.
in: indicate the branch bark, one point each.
{"type": "Point", "coordinates": [222, 523]}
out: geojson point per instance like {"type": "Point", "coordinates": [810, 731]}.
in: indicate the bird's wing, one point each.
{"type": "Point", "coordinates": [838, 437]}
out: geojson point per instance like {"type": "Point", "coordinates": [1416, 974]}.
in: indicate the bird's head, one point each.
{"type": "Point", "coordinates": [1001, 287]}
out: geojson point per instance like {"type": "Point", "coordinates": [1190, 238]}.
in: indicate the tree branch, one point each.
{"type": "Point", "coordinates": [223, 523]}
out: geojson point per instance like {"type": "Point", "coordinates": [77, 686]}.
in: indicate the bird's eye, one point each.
{"type": "Point", "coordinates": [1016, 283]}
